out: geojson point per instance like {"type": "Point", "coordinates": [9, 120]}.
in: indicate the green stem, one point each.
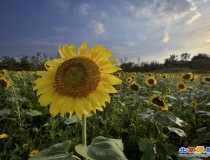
{"type": "Point", "coordinates": [84, 135]}
{"type": "Point", "coordinates": [76, 157]}
{"type": "Point", "coordinates": [18, 107]}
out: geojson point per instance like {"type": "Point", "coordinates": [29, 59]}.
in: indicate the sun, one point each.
{"type": "Point", "coordinates": [78, 83]}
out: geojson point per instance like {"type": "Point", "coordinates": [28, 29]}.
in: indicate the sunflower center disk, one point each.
{"type": "Point", "coordinates": [77, 77]}
{"type": "Point", "coordinates": [74, 75]}
{"type": "Point", "coordinates": [3, 83]}
{"type": "Point", "coordinates": [158, 102]}
{"type": "Point", "coordinates": [181, 86]}
{"type": "Point", "coordinates": [151, 81]}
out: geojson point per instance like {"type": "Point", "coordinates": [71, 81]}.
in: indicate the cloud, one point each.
{"type": "Point", "coordinates": [38, 42]}
{"type": "Point", "coordinates": [59, 29]}
{"type": "Point", "coordinates": [165, 10]}
{"type": "Point", "coordinates": [208, 40]}
{"type": "Point", "coordinates": [130, 43]}
{"type": "Point", "coordinates": [166, 38]}
{"type": "Point", "coordinates": [97, 27]}
{"type": "Point", "coordinates": [195, 16]}
{"type": "Point", "coordinates": [83, 8]}
{"type": "Point", "coordinates": [59, 5]}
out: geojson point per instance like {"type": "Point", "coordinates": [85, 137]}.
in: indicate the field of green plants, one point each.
{"type": "Point", "coordinates": [152, 114]}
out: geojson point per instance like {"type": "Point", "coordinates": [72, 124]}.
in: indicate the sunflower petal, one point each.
{"type": "Point", "coordinates": [108, 78]}
{"type": "Point", "coordinates": [107, 87]}
{"type": "Point", "coordinates": [82, 49]}
{"type": "Point", "coordinates": [46, 98]}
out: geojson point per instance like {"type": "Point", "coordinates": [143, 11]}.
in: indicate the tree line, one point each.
{"type": "Point", "coordinates": [201, 61]}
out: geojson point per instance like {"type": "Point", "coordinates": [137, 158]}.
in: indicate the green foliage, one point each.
{"type": "Point", "coordinates": [102, 148]}
{"type": "Point", "coordinates": [56, 152]}
{"type": "Point", "coordinates": [134, 128]}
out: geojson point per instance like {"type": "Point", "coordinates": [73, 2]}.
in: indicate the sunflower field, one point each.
{"type": "Point", "coordinates": [151, 117]}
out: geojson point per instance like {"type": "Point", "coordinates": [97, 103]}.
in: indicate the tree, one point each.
{"type": "Point", "coordinates": [8, 63]}
{"type": "Point", "coordinates": [200, 61]}
{"type": "Point", "coordinates": [172, 59]}
{"type": "Point", "coordinates": [38, 61]}
{"type": "Point", "coordinates": [185, 56]}
{"type": "Point", "coordinates": [127, 67]}
{"type": "Point", "coordinates": [24, 63]}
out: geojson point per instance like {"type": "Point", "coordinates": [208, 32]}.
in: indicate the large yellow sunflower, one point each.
{"type": "Point", "coordinates": [78, 83]}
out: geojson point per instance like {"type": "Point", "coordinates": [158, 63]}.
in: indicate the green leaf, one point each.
{"type": "Point", "coordinates": [202, 138]}
{"type": "Point", "coordinates": [203, 129]}
{"type": "Point", "coordinates": [168, 118]}
{"type": "Point", "coordinates": [156, 92]}
{"type": "Point", "coordinates": [56, 152]}
{"type": "Point", "coordinates": [11, 99]}
{"type": "Point", "coordinates": [208, 104]}
{"type": "Point", "coordinates": [102, 148]}
{"type": "Point", "coordinates": [203, 113]}
{"type": "Point", "coordinates": [172, 97]}
{"type": "Point", "coordinates": [147, 114]}
{"type": "Point", "coordinates": [178, 131]}
{"type": "Point", "coordinates": [5, 112]}
{"type": "Point", "coordinates": [170, 149]}
{"type": "Point", "coordinates": [72, 119]}
{"type": "Point", "coordinates": [147, 146]}
{"type": "Point", "coordinates": [33, 113]}
{"type": "Point", "coordinates": [133, 107]}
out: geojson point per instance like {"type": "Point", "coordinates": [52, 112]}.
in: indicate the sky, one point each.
{"type": "Point", "coordinates": [149, 29]}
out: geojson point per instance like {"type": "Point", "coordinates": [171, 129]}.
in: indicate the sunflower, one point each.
{"type": "Point", "coordinates": [182, 86]}
{"type": "Point", "coordinates": [168, 91]}
{"type": "Point", "coordinates": [187, 76]}
{"type": "Point", "coordinates": [151, 81]}
{"type": "Point", "coordinates": [3, 71]}
{"type": "Point", "coordinates": [135, 87]}
{"type": "Point", "coordinates": [129, 79]}
{"type": "Point", "coordinates": [206, 79]}
{"type": "Point", "coordinates": [4, 83]}
{"type": "Point", "coordinates": [158, 101]}
{"type": "Point", "coordinates": [33, 153]}
{"type": "Point", "coordinates": [133, 77]}
{"type": "Point", "coordinates": [3, 136]}
{"type": "Point", "coordinates": [194, 104]}
{"type": "Point", "coordinates": [77, 84]}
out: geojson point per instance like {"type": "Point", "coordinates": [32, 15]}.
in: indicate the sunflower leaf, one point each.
{"type": "Point", "coordinates": [202, 138]}
{"type": "Point", "coordinates": [147, 114]}
{"type": "Point", "coordinates": [168, 118]}
{"type": "Point", "coordinates": [148, 148]}
{"type": "Point", "coordinates": [56, 152]}
{"type": "Point", "coordinates": [203, 113]}
{"type": "Point", "coordinates": [171, 97]}
{"type": "Point", "coordinates": [102, 148]}
{"type": "Point", "coordinates": [33, 113]}
{"type": "Point", "coordinates": [5, 112]}
{"type": "Point", "coordinates": [178, 131]}
{"type": "Point", "coordinates": [208, 104]}
{"type": "Point", "coordinates": [72, 119]}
